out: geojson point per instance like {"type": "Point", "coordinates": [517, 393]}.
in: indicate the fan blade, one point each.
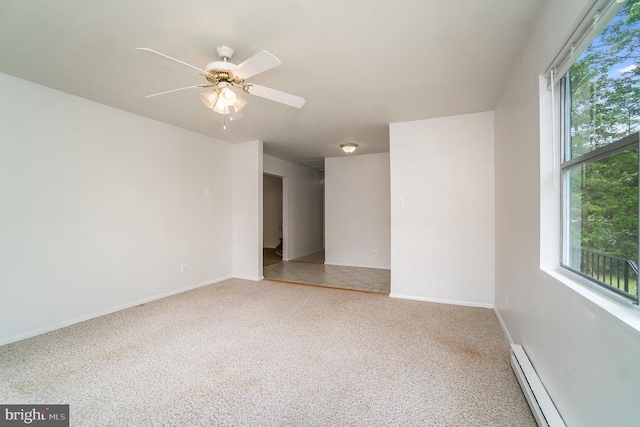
{"type": "Point", "coordinates": [176, 90]}
{"type": "Point", "coordinates": [235, 114]}
{"type": "Point", "coordinates": [258, 63]}
{"type": "Point", "coordinates": [173, 59]}
{"type": "Point", "coordinates": [275, 95]}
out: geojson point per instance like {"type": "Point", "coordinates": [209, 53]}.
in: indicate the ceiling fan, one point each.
{"type": "Point", "coordinates": [224, 76]}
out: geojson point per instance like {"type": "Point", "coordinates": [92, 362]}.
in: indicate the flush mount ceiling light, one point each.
{"type": "Point", "coordinates": [349, 148]}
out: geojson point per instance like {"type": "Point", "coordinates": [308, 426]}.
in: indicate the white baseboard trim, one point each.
{"type": "Point", "coordinates": [252, 278]}
{"type": "Point", "coordinates": [65, 323]}
{"type": "Point", "coordinates": [503, 326]}
{"type": "Point", "coordinates": [443, 301]}
{"type": "Point", "coordinates": [356, 265]}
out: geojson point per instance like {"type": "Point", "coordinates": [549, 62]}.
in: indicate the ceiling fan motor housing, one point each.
{"type": "Point", "coordinates": [220, 71]}
{"type": "Point", "coordinates": [219, 65]}
{"type": "Point", "coordinates": [217, 76]}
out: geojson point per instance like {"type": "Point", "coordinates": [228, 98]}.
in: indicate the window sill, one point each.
{"type": "Point", "coordinates": [624, 311]}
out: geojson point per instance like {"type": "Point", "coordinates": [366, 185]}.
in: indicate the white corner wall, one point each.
{"type": "Point", "coordinates": [303, 198]}
{"type": "Point", "coordinates": [100, 209]}
{"type": "Point", "coordinates": [247, 210]}
{"type": "Point", "coordinates": [442, 209]}
{"type": "Point", "coordinates": [357, 217]}
{"type": "Point", "coordinates": [587, 358]}
{"type": "Point", "coordinates": [272, 211]}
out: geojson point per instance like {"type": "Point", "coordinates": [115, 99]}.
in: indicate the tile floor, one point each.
{"type": "Point", "coordinates": [316, 257]}
{"type": "Point", "coordinates": [269, 256]}
{"type": "Point", "coordinates": [334, 276]}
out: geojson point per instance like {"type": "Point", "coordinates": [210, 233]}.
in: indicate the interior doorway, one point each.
{"type": "Point", "coordinates": [300, 192]}
{"type": "Point", "coordinates": [272, 244]}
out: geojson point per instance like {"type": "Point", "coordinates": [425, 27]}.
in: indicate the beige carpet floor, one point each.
{"type": "Point", "coordinates": [242, 353]}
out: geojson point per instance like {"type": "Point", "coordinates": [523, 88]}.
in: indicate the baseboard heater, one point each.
{"type": "Point", "coordinates": [544, 411]}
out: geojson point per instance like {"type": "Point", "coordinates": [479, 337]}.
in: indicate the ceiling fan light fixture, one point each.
{"type": "Point", "coordinates": [226, 98]}
{"type": "Point", "coordinates": [220, 107]}
{"type": "Point", "coordinates": [229, 96]}
{"type": "Point", "coordinates": [349, 148]}
{"type": "Point", "coordinates": [209, 99]}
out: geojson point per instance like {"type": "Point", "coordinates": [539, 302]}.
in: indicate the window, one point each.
{"type": "Point", "coordinates": [600, 105]}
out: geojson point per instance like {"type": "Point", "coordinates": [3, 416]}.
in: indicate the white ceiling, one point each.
{"type": "Point", "coordinates": [360, 64]}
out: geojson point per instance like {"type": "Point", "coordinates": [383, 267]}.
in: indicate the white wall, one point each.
{"type": "Point", "coordinates": [442, 172]}
{"type": "Point", "coordinates": [247, 210]}
{"type": "Point", "coordinates": [586, 357]}
{"type": "Point", "coordinates": [357, 218]}
{"type": "Point", "coordinates": [303, 198]}
{"type": "Point", "coordinates": [100, 208]}
{"type": "Point", "coordinates": [272, 211]}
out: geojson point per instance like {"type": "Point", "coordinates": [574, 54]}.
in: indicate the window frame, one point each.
{"type": "Point", "coordinates": [625, 143]}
